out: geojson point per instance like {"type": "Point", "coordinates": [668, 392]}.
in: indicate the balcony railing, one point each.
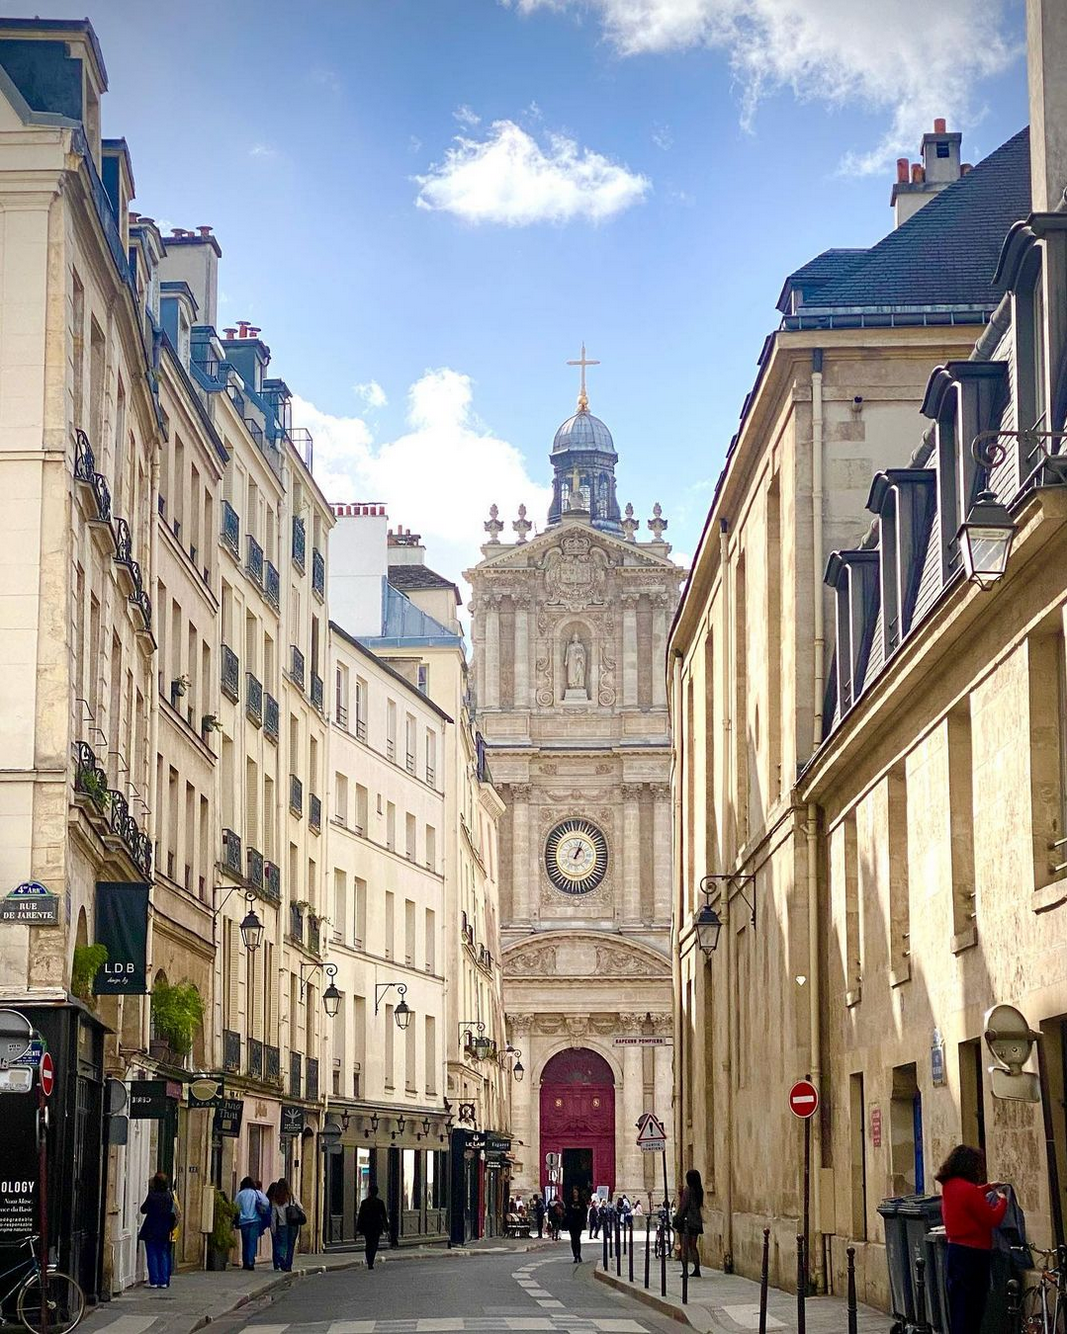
{"type": "Point", "coordinates": [312, 1086]}
{"type": "Point", "coordinates": [361, 729]}
{"type": "Point", "coordinates": [90, 781]}
{"type": "Point", "coordinates": [317, 693]}
{"type": "Point", "coordinates": [296, 665]}
{"type": "Point", "coordinates": [296, 923]}
{"type": "Point", "coordinates": [255, 1058]}
{"type": "Point", "coordinates": [231, 673]}
{"type": "Point", "coordinates": [341, 714]}
{"type": "Point", "coordinates": [314, 812]}
{"type": "Point", "coordinates": [431, 775]}
{"type": "Point", "coordinates": [85, 472]}
{"type": "Point", "coordinates": [231, 852]}
{"type": "Point", "coordinates": [295, 1072]}
{"type": "Point", "coordinates": [231, 1051]}
{"type": "Point", "coordinates": [231, 529]}
{"type": "Point", "coordinates": [314, 941]}
{"type": "Point", "coordinates": [390, 748]}
{"type": "Point", "coordinates": [255, 867]}
{"type": "Point", "coordinates": [296, 795]}
{"type": "Point", "coordinates": [253, 698]}
{"type": "Point", "coordinates": [272, 585]}
{"type": "Point", "coordinates": [270, 717]}
{"type": "Point", "coordinates": [254, 561]}
{"type": "Point", "coordinates": [409, 760]}
{"type": "Point", "coordinates": [318, 574]}
{"type": "Point", "coordinates": [138, 597]}
{"type": "Point", "coordinates": [299, 544]}
{"type": "Point", "coordinates": [272, 882]}
{"type": "Point", "coordinates": [272, 1064]}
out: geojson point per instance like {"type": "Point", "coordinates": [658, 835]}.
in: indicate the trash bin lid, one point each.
{"type": "Point", "coordinates": [889, 1207]}
{"type": "Point", "coordinates": [921, 1206]}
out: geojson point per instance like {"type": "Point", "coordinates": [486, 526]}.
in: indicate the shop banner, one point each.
{"type": "Point", "coordinates": [122, 926]}
{"type": "Point", "coordinates": [18, 1171]}
{"type": "Point", "coordinates": [293, 1119]}
{"type": "Point", "coordinates": [149, 1099]}
{"type": "Point", "coordinates": [228, 1117]}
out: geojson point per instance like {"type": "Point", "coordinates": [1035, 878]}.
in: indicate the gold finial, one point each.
{"type": "Point", "coordinates": [583, 397]}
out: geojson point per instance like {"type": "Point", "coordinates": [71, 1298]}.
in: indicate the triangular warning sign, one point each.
{"type": "Point", "coordinates": [651, 1130]}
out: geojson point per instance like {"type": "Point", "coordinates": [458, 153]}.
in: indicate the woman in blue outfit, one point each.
{"type": "Point", "coordinates": [253, 1213]}
{"type": "Point", "coordinates": [160, 1219]}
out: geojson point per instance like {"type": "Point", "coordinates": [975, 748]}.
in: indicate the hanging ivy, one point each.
{"type": "Point", "coordinates": [177, 1014]}
{"type": "Point", "coordinates": [88, 960]}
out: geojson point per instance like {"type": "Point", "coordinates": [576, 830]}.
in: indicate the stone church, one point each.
{"type": "Point", "coordinates": [569, 634]}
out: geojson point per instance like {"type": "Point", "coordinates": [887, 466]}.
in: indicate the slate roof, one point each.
{"type": "Point", "coordinates": [406, 577]}
{"type": "Point", "coordinates": [946, 254]}
{"type": "Point", "coordinates": [830, 266]}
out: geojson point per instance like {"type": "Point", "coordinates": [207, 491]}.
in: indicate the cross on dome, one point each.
{"type": "Point", "coordinates": [583, 397]}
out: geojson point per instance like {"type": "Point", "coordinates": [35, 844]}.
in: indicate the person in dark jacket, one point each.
{"type": "Point", "coordinates": [575, 1217]}
{"type": "Point", "coordinates": [160, 1219]}
{"type": "Point", "coordinates": [537, 1205]}
{"type": "Point", "coordinates": [969, 1220]}
{"type": "Point", "coordinates": [371, 1221]}
{"type": "Point", "coordinates": [691, 1220]}
{"type": "Point", "coordinates": [594, 1217]}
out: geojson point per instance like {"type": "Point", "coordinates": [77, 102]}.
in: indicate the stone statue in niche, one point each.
{"type": "Point", "coordinates": [575, 663]}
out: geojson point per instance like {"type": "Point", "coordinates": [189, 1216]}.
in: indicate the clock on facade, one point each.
{"type": "Point", "coordinates": [576, 856]}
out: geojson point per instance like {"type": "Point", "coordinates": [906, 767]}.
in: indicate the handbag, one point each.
{"type": "Point", "coordinates": [295, 1216]}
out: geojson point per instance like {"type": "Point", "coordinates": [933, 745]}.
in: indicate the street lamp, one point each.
{"type": "Point", "coordinates": [518, 1069]}
{"type": "Point", "coordinates": [477, 1045]}
{"type": "Point", "coordinates": [985, 538]}
{"type": "Point", "coordinates": [707, 926]}
{"type": "Point", "coordinates": [402, 1014]}
{"type": "Point", "coordinates": [251, 927]}
{"type": "Point", "coordinates": [331, 997]}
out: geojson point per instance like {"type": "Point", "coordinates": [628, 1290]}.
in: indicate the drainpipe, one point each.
{"type": "Point", "coordinates": [814, 969]}
{"type": "Point", "coordinates": [679, 922]}
{"type": "Point", "coordinates": [729, 686]}
{"type": "Point", "coordinates": [814, 987]}
{"type": "Point", "coordinates": [817, 540]}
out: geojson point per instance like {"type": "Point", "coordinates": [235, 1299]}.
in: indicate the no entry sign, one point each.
{"type": "Point", "coordinates": [804, 1099]}
{"type": "Point", "coordinates": [47, 1074]}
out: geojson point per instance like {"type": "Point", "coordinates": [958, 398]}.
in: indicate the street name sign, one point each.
{"type": "Point", "coordinates": [645, 1040]}
{"type": "Point", "coordinates": [30, 903]}
{"type": "Point", "coordinates": [803, 1099]}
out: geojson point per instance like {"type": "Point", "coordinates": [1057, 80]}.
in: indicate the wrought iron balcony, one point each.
{"type": "Point", "coordinates": [255, 1058]}
{"type": "Point", "coordinates": [270, 717]}
{"type": "Point", "coordinates": [342, 716]}
{"type": "Point", "coordinates": [296, 795]}
{"type": "Point", "coordinates": [90, 780]}
{"type": "Point", "coordinates": [296, 923]}
{"type": "Point", "coordinates": [255, 431]}
{"type": "Point", "coordinates": [295, 1072]}
{"type": "Point", "coordinates": [431, 775]}
{"type": "Point", "coordinates": [272, 585]}
{"type": "Point", "coordinates": [318, 695]}
{"type": "Point", "coordinates": [231, 852]}
{"type": "Point", "coordinates": [318, 574]}
{"type": "Point", "coordinates": [361, 729]}
{"type": "Point", "coordinates": [314, 812]}
{"type": "Point", "coordinates": [314, 940]}
{"type": "Point", "coordinates": [312, 1084]}
{"type": "Point", "coordinates": [255, 867]}
{"type": "Point", "coordinates": [254, 561]}
{"type": "Point", "coordinates": [85, 472]}
{"type": "Point", "coordinates": [253, 698]}
{"type": "Point", "coordinates": [390, 749]}
{"type": "Point", "coordinates": [272, 882]}
{"type": "Point", "coordinates": [272, 1064]}
{"type": "Point", "coordinates": [296, 666]}
{"type": "Point", "coordinates": [410, 761]}
{"type": "Point", "coordinates": [231, 529]}
{"type": "Point", "coordinates": [231, 1051]}
{"type": "Point", "coordinates": [299, 544]}
{"type": "Point", "coordinates": [231, 673]}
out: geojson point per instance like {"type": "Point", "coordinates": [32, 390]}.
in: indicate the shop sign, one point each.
{"type": "Point", "coordinates": [876, 1127]}
{"type": "Point", "coordinates": [214, 1098]}
{"type": "Point", "coordinates": [497, 1143]}
{"type": "Point", "coordinates": [30, 903]}
{"type": "Point", "coordinates": [18, 1168]}
{"type": "Point", "coordinates": [293, 1119]}
{"type": "Point", "coordinates": [122, 926]}
{"type": "Point", "coordinates": [150, 1099]}
{"type": "Point", "coordinates": [228, 1117]}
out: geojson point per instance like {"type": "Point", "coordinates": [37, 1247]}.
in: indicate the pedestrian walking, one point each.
{"type": "Point", "coordinates": [556, 1215]}
{"type": "Point", "coordinates": [689, 1221]}
{"type": "Point", "coordinates": [594, 1217]}
{"type": "Point", "coordinates": [969, 1216]}
{"type": "Point", "coordinates": [539, 1214]}
{"type": "Point", "coordinates": [371, 1221]}
{"type": "Point", "coordinates": [575, 1219]}
{"type": "Point", "coordinates": [287, 1217]}
{"type": "Point", "coordinates": [253, 1215]}
{"type": "Point", "coordinates": [160, 1210]}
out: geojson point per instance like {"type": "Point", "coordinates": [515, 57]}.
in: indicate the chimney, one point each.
{"type": "Point", "coordinates": [359, 566]}
{"type": "Point", "coordinates": [1046, 52]}
{"type": "Point", "coordinates": [193, 258]}
{"type": "Point", "coordinates": [940, 166]}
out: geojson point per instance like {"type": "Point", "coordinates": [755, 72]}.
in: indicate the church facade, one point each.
{"type": "Point", "coordinates": [569, 634]}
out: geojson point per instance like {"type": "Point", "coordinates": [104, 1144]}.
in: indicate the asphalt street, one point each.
{"type": "Point", "coordinates": [534, 1293]}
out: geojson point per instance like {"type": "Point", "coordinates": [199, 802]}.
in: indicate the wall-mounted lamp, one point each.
{"type": "Point", "coordinates": [517, 1069]}
{"type": "Point", "coordinates": [401, 1014]}
{"type": "Point", "coordinates": [331, 997]}
{"type": "Point", "coordinates": [251, 927]}
{"type": "Point", "coordinates": [476, 1042]}
{"type": "Point", "coordinates": [373, 1126]}
{"type": "Point", "coordinates": [707, 924]}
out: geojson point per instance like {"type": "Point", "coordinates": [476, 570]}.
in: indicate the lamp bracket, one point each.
{"type": "Point", "coordinates": [312, 969]}
{"type": "Point", "coordinates": [383, 988]}
{"type": "Point", "coordinates": [250, 897]}
{"type": "Point", "coordinates": [735, 879]}
{"type": "Point", "coordinates": [988, 451]}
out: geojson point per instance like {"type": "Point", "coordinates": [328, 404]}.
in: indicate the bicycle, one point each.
{"type": "Point", "coordinates": [52, 1307]}
{"type": "Point", "coordinates": [1049, 1288]}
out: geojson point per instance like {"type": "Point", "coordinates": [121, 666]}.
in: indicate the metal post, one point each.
{"type": "Point", "coordinates": [807, 1196]}
{"type": "Point", "coordinates": [1014, 1310]}
{"type": "Point", "coordinates": [922, 1325]}
{"type": "Point", "coordinates": [852, 1312]}
{"type": "Point", "coordinates": [630, 1243]}
{"type": "Point", "coordinates": [605, 1236]}
{"type": "Point", "coordinates": [802, 1290]}
{"type": "Point", "coordinates": [764, 1275]}
{"type": "Point", "coordinates": [648, 1231]}
{"type": "Point", "coordinates": [618, 1245]}
{"type": "Point", "coordinates": [664, 1235]}
{"type": "Point", "coordinates": [42, 1172]}
{"type": "Point", "coordinates": [685, 1271]}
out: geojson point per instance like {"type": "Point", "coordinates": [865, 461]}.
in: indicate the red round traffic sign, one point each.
{"type": "Point", "coordinates": [804, 1099]}
{"type": "Point", "coordinates": [48, 1074]}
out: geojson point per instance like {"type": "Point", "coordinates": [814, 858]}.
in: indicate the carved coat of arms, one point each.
{"type": "Point", "coordinates": [575, 572]}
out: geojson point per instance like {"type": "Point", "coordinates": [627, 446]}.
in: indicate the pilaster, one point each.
{"type": "Point", "coordinates": [629, 650]}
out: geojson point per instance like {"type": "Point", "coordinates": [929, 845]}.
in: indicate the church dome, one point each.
{"type": "Point", "coordinates": [583, 431]}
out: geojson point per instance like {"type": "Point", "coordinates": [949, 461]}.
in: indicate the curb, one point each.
{"type": "Point", "coordinates": [648, 1298]}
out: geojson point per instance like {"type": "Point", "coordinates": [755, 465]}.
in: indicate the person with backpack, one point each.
{"type": "Point", "coordinates": [287, 1217]}
{"type": "Point", "coordinates": [160, 1210]}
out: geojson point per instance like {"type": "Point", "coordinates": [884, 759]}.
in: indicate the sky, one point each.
{"type": "Point", "coordinates": [428, 205]}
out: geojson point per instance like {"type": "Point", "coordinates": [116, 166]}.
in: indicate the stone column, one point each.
{"type": "Point", "coordinates": [629, 650]}
{"type": "Point", "coordinates": [491, 656]}
{"type": "Point", "coordinates": [659, 650]}
{"type": "Point", "coordinates": [522, 652]}
{"type": "Point", "coordinates": [524, 1097]}
{"type": "Point", "coordinates": [631, 853]}
{"type": "Point", "coordinates": [661, 851]}
{"type": "Point", "coordinates": [522, 876]}
{"type": "Point", "coordinates": [629, 1171]}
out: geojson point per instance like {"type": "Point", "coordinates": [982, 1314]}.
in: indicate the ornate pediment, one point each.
{"type": "Point", "coordinates": [616, 550]}
{"type": "Point", "coordinates": [583, 956]}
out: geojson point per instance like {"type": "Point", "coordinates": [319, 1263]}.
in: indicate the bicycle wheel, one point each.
{"type": "Point", "coordinates": [56, 1309]}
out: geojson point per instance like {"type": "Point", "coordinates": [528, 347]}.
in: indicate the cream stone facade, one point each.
{"type": "Point", "coordinates": [570, 633]}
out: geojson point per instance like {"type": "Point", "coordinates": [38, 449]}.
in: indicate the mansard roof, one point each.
{"type": "Point", "coordinates": [407, 577]}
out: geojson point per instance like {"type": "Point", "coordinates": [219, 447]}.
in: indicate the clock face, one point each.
{"type": "Point", "coordinates": [576, 856]}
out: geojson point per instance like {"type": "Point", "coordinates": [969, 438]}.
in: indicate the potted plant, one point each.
{"type": "Point", "coordinates": [177, 1016]}
{"type": "Point", "coordinates": [222, 1238]}
{"type": "Point", "coordinates": [210, 723]}
{"type": "Point", "coordinates": [88, 960]}
{"type": "Point", "coordinates": [92, 784]}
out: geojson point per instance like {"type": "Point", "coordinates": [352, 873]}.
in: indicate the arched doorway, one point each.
{"type": "Point", "coordinates": [578, 1120]}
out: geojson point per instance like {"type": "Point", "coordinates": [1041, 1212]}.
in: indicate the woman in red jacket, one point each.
{"type": "Point", "coordinates": [969, 1220]}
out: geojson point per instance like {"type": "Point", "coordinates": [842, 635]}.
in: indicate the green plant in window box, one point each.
{"type": "Point", "coordinates": [94, 786]}
{"type": "Point", "coordinates": [88, 960]}
{"type": "Point", "coordinates": [177, 1015]}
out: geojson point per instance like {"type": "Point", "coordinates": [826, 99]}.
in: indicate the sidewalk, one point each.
{"type": "Point", "coordinates": [726, 1303]}
{"type": "Point", "coordinates": [197, 1298]}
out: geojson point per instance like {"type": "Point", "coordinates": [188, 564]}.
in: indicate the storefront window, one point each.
{"type": "Point", "coordinates": [409, 1198]}
{"type": "Point", "coordinates": [431, 1180]}
{"type": "Point", "coordinates": [362, 1174]}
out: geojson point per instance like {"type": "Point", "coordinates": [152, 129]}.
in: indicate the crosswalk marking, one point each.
{"type": "Point", "coordinates": [550, 1323]}
{"type": "Point", "coordinates": [551, 1302]}
{"type": "Point", "coordinates": [352, 1327]}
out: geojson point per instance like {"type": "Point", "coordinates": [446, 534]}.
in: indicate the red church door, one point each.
{"type": "Point", "coordinates": [578, 1113]}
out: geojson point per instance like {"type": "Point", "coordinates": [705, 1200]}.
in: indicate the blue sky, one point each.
{"type": "Point", "coordinates": [691, 153]}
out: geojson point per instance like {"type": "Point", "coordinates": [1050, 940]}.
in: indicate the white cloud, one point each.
{"type": "Point", "coordinates": [438, 478]}
{"type": "Point", "coordinates": [510, 178]}
{"type": "Point", "coordinates": [372, 394]}
{"type": "Point", "coordinates": [467, 117]}
{"type": "Point", "coordinates": [909, 58]}
{"type": "Point", "coordinates": [662, 137]}
{"type": "Point", "coordinates": [262, 151]}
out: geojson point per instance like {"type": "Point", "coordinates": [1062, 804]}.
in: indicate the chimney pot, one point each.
{"type": "Point", "coordinates": [230, 333]}
{"type": "Point", "coordinates": [902, 170]}
{"type": "Point", "coordinates": [940, 125]}
{"type": "Point", "coordinates": [204, 231]}
{"type": "Point", "coordinates": [918, 175]}
{"type": "Point", "coordinates": [242, 327]}
{"type": "Point", "coordinates": [966, 168]}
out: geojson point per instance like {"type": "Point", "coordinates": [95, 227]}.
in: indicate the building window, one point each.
{"type": "Point", "coordinates": [845, 854]}
{"type": "Point", "coordinates": [1047, 654]}
{"type": "Point", "coordinates": [858, 1155]}
{"type": "Point", "coordinates": [340, 798]}
{"type": "Point", "coordinates": [948, 484]}
{"type": "Point", "coordinates": [359, 912]}
{"type": "Point", "coordinates": [972, 1094]}
{"type": "Point", "coordinates": [390, 922]}
{"type": "Point", "coordinates": [1030, 368]}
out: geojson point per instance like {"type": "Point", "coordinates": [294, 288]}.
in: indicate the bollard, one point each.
{"type": "Point", "coordinates": [764, 1272]}
{"type": "Point", "coordinates": [1014, 1307]}
{"type": "Point", "coordinates": [685, 1272]}
{"type": "Point", "coordinates": [802, 1285]}
{"type": "Point", "coordinates": [852, 1311]}
{"type": "Point", "coordinates": [648, 1232]}
{"type": "Point", "coordinates": [605, 1235]}
{"type": "Point", "coordinates": [630, 1245]}
{"type": "Point", "coordinates": [618, 1246]}
{"type": "Point", "coordinates": [922, 1325]}
{"type": "Point", "coordinates": [663, 1236]}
